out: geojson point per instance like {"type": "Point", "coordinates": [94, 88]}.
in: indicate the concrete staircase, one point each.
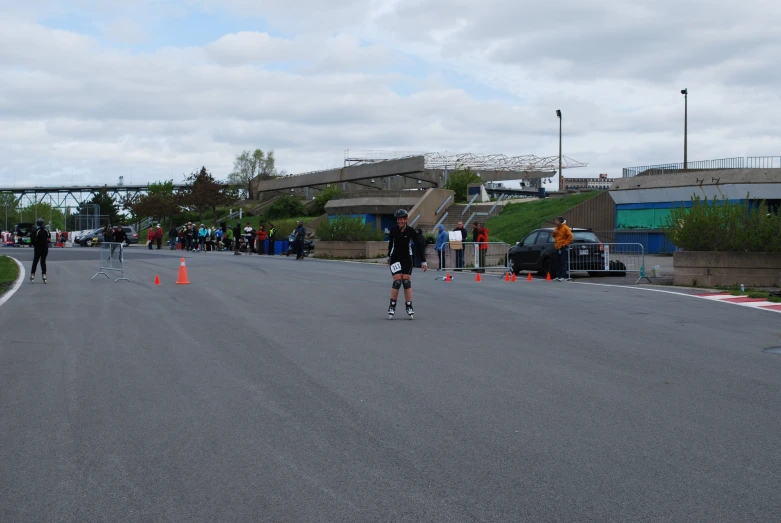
{"type": "Point", "coordinates": [454, 215]}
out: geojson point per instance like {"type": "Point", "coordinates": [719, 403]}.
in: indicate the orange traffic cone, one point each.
{"type": "Point", "coordinates": [477, 278]}
{"type": "Point", "coordinates": [529, 276]}
{"type": "Point", "coordinates": [514, 278]}
{"type": "Point", "coordinates": [182, 274]}
{"type": "Point", "coordinates": [157, 279]}
{"type": "Point", "coordinates": [507, 277]}
{"type": "Point", "coordinates": [547, 278]}
{"type": "Point", "coordinates": [447, 278]}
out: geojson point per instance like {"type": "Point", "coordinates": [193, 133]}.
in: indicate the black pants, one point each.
{"type": "Point", "coordinates": [299, 249]}
{"type": "Point", "coordinates": [271, 247]}
{"type": "Point", "coordinates": [159, 242]}
{"type": "Point", "coordinates": [40, 255]}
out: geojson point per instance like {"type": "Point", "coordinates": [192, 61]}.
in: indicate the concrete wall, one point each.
{"type": "Point", "coordinates": [351, 249]}
{"type": "Point", "coordinates": [759, 269]}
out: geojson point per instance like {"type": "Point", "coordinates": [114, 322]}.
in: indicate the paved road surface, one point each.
{"type": "Point", "coordinates": [277, 390]}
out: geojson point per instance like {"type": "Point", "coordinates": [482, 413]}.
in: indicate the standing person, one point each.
{"type": "Point", "coordinates": [441, 245]}
{"type": "Point", "coordinates": [261, 240]}
{"type": "Point", "coordinates": [218, 238]}
{"type": "Point", "coordinates": [108, 234]}
{"type": "Point", "coordinates": [272, 236]}
{"type": "Point", "coordinates": [203, 232]}
{"type": "Point", "coordinates": [227, 238]}
{"type": "Point", "coordinates": [40, 242]}
{"type": "Point", "coordinates": [562, 238]}
{"type": "Point", "coordinates": [475, 240]}
{"type": "Point", "coordinates": [151, 234]}
{"type": "Point", "coordinates": [120, 237]}
{"type": "Point", "coordinates": [400, 246]}
{"type": "Point", "coordinates": [460, 252]}
{"type": "Point", "coordinates": [190, 234]}
{"type": "Point", "coordinates": [172, 234]}
{"type": "Point", "coordinates": [300, 234]}
{"type": "Point", "coordinates": [482, 239]}
{"type": "Point", "coordinates": [237, 235]}
{"type": "Point", "coordinates": [159, 236]}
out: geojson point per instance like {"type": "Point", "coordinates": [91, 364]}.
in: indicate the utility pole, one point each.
{"type": "Point", "coordinates": [685, 93]}
{"type": "Point", "coordinates": [561, 175]}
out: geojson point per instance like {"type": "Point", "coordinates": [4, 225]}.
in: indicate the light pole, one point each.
{"type": "Point", "coordinates": [561, 176]}
{"type": "Point", "coordinates": [685, 93]}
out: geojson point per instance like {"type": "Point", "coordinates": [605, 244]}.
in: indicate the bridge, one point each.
{"type": "Point", "coordinates": [61, 197]}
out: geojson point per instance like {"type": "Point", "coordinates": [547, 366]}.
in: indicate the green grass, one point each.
{"type": "Point", "coordinates": [9, 271]}
{"type": "Point", "coordinates": [735, 291]}
{"type": "Point", "coordinates": [518, 219]}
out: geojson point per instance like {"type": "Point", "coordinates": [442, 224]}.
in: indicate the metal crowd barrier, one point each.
{"type": "Point", "coordinates": [112, 258]}
{"type": "Point", "coordinates": [493, 257]}
{"type": "Point", "coordinates": [607, 258]}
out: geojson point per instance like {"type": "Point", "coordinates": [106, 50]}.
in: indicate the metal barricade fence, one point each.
{"type": "Point", "coordinates": [617, 259]}
{"type": "Point", "coordinates": [491, 257]}
{"type": "Point", "coordinates": [112, 258]}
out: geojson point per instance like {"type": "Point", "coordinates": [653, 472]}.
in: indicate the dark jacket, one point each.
{"type": "Point", "coordinates": [120, 235]}
{"type": "Point", "coordinates": [463, 232]}
{"type": "Point", "coordinates": [40, 239]}
{"type": "Point", "coordinates": [173, 233]}
{"type": "Point", "coordinates": [300, 233]}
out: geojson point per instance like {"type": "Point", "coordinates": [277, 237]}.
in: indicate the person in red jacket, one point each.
{"type": "Point", "coordinates": [482, 240]}
{"type": "Point", "coordinates": [261, 240]}
{"type": "Point", "coordinates": [150, 237]}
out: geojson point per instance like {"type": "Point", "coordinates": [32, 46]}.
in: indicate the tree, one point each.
{"type": "Point", "coordinates": [458, 180]}
{"type": "Point", "coordinates": [55, 218]}
{"type": "Point", "coordinates": [285, 206]}
{"type": "Point", "coordinates": [159, 203]}
{"type": "Point", "coordinates": [248, 166]}
{"type": "Point", "coordinates": [108, 206]}
{"type": "Point", "coordinates": [322, 198]}
{"type": "Point", "coordinates": [204, 193]}
{"type": "Point", "coordinates": [8, 208]}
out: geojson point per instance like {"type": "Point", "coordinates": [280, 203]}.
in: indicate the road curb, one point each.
{"type": "Point", "coordinates": [18, 283]}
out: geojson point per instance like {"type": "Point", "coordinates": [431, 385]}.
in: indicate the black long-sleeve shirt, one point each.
{"type": "Point", "coordinates": [401, 243]}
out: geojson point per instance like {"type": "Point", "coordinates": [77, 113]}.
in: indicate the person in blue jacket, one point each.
{"type": "Point", "coordinates": [441, 245]}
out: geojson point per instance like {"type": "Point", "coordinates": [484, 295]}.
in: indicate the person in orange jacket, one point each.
{"type": "Point", "coordinates": [562, 238]}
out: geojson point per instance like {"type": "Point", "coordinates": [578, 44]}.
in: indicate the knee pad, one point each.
{"type": "Point", "coordinates": [396, 284]}
{"type": "Point", "coordinates": [407, 284]}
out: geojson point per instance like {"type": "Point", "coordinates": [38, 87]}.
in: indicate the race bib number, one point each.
{"type": "Point", "coordinates": [396, 267]}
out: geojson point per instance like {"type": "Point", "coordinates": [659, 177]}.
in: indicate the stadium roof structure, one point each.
{"type": "Point", "coordinates": [493, 162]}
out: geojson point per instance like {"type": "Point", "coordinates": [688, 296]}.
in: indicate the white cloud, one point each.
{"type": "Point", "coordinates": [477, 77]}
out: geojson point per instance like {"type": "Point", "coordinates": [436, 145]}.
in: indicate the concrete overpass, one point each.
{"type": "Point", "coordinates": [389, 175]}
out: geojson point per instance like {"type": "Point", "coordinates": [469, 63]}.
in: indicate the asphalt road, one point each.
{"type": "Point", "coordinates": [277, 390]}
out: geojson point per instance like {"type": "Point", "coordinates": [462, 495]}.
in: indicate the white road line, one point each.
{"type": "Point", "coordinates": [717, 297]}
{"type": "Point", "coordinates": [16, 284]}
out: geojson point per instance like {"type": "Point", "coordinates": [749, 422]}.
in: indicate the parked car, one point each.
{"type": "Point", "coordinates": [535, 253]}
{"type": "Point", "coordinates": [96, 236]}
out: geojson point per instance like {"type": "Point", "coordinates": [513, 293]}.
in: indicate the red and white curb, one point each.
{"type": "Point", "coordinates": [745, 301]}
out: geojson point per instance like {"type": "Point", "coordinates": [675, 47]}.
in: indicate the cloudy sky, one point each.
{"type": "Point", "coordinates": [152, 89]}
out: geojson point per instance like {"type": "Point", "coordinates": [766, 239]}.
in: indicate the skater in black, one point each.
{"type": "Point", "coordinates": [40, 242]}
{"type": "Point", "coordinates": [400, 244]}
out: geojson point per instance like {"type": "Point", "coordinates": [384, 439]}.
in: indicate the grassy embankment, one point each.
{"type": "Point", "coordinates": [9, 271]}
{"type": "Point", "coordinates": [519, 219]}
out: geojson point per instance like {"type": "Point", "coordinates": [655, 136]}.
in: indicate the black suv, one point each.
{"type": "Point", "coordinates": [535, 252]}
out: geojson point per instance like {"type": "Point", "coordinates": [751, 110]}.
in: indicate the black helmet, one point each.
{"type": "Point", "coordinates": [401, 213]}
{"type": "Point", "coordinates": [39, 222]}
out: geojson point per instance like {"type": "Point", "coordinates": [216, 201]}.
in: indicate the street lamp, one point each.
{"type": "Point", "coordinates": [561, 176]}
{"type": "Point", "coordinates": [685, 93]}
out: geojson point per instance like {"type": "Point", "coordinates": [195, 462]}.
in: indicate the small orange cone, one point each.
{"type": "Point", "coordinates": [448, 277]}
{"type": "Point", "coordinates": [514, 278]}
{"type": "Point", "coordinates": [529, 276]}
{"type": "Point", "coordinates": [182, 274]}
{"type": "Point", "coordinates": [157, 279]}
{"type": "Point", "coordinates": [477, 278]}
{"type": "Point", "coordinates": [547, 278]}
{"type": "Point", "coordinates": [507, 277]}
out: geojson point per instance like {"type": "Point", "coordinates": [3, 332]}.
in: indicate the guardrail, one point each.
{"type": "Point", "coordinates": [112, 258]}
